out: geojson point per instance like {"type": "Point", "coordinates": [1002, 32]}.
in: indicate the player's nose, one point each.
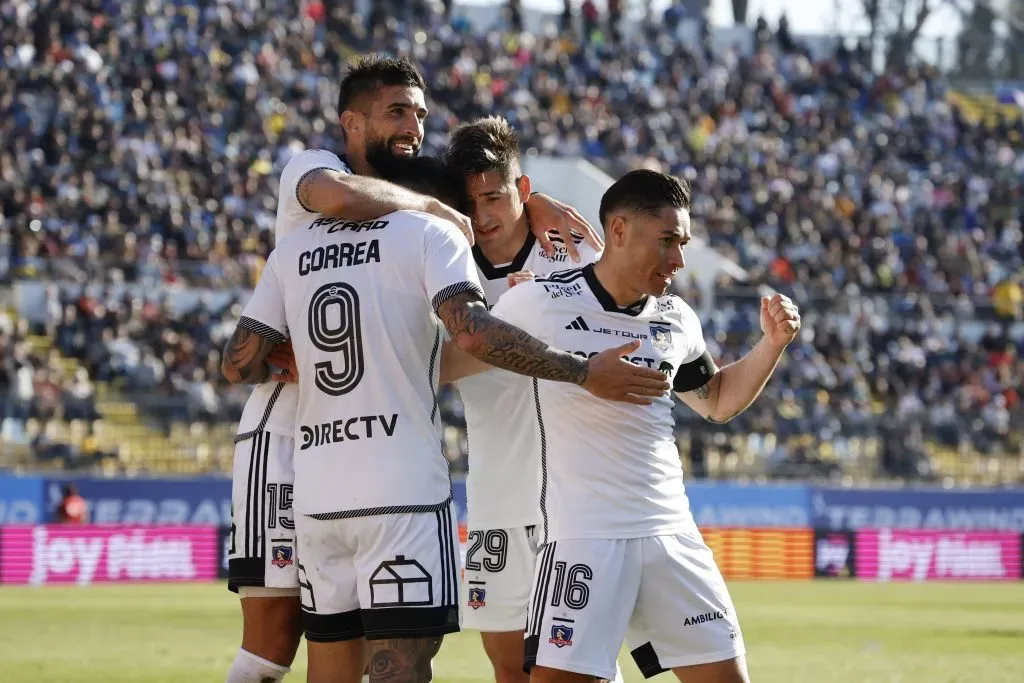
{"type": "Point", "coordinates": [412, 127]}
{"type": "Point", "coordinates": [676, 259]}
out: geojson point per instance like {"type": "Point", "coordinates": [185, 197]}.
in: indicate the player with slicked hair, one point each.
{"type": "Point", "coordinates": [621, 555]}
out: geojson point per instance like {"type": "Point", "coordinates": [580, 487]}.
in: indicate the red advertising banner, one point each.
{"type": "Point", "coordinates": [904, 555]}
{"type": "Point", "coordinates": [93, 554]}
{"type": "Point", "coordinates": [762, 553]}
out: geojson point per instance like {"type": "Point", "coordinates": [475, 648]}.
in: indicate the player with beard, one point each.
{"type": "Point", "coordinates": [382, 108]}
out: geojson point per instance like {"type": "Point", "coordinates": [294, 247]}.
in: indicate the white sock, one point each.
{"type": "Point", "coordinates": [365, 679]}
{"type": "Point", "coordinates": [248, 668]}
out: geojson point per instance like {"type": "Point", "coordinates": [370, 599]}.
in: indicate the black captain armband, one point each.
{"type": "Point", "coordinates": [695, 374]}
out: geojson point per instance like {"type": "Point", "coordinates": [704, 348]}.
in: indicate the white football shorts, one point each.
{"type": "Point", "coordinates": [379, 576]}
{"type": "Point", "coordinates": [497, 579]}
{"type": "Point", "coordinates": [261, 548]}
{"type": "Point", "coordinates": [664, 592]}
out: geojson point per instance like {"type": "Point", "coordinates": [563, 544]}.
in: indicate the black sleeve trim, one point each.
{"type": "Point", "coordinates": [458, 288]}
{"type": "Point", "coordinates": [695, 374]}
{"type": "Point", "coordinates": [265, 331]}
{"type": "Point", "coordinates": [299, 184]}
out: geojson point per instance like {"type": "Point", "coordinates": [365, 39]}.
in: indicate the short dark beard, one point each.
{"type": "Point", "coordinates": [383, 160]}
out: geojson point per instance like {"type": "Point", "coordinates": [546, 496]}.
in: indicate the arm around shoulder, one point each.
{"type": "Point", "coordinates": [334, 193]}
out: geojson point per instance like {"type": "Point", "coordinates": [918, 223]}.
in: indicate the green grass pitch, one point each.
{"type": "Point", "coordinates": [796, 632]}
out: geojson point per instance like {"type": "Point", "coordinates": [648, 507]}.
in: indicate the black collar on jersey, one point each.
{"type": "Point", "coordinates": [634, 309]}
{"type": "Point", "coordinates": [492, 272]}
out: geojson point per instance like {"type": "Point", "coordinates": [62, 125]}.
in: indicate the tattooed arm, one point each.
{"type": "Point", "coordinates": [489, 339]}
{"type": "Point", "coordinates": [404, 660]}
{"type": "Point", "coordinates": [735, 387]}
{"type": "Point", "coordinates": [495, 342]}
{"type": "Point", "coordinates": [245, 357]}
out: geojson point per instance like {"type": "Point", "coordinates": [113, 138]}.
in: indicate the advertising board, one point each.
{"type": "Point", "coordinates": [21, 500]}
{"type": "Point", "coordinates": [762, 553]}
{"type": "Point", "coordinates": [722, 505]}
{"type": "Point", "coordinates": [835, 509]}
{"type": "Point", "coordinates": [901, 555]}
{"type": "Point", "coordinates": [834, 554]}
{"type": "Point", "coordinates": [85, 554]}
{"type": "Point", "coordinates": [201, 500]}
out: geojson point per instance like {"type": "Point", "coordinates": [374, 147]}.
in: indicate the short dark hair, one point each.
{"type": "Point", "coordinates": [488, 144]}
{"type": "Point", "coordinates": [645, 191]}
{"type": "Point", "coordinates": [430, 176]}
{"type": "Point", "coordinates": [370, 72]}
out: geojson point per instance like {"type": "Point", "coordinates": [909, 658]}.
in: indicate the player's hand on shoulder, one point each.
{"type": "Point", "coordinates": [780, 319]}
{"type": "Point", "coordinates": [611, 377]}
{"type": "Point", "coordinates": [462, 222]}
{"type": "Point", "coordinates": [283, 357]}
{"type": "Point", "coordinates": [547, 214]}
{"type": "Point", "coordinates": [521, 276]}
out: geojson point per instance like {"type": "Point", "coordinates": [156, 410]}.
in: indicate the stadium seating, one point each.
{"type": "Point", "coordinates": [147, 165]}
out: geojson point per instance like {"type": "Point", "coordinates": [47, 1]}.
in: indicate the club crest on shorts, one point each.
{"type": "Point", "coordinates": [561, 636]}
{"type": "Point", "coordinates": [661, 337]}
{"type": "Point", "coordinates": [282, 555]}
{"type": "Point", "coordinates": [477, 598]}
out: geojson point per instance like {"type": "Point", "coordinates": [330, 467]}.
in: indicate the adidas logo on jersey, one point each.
{"type": "Point", "coordinates": [578, 324]}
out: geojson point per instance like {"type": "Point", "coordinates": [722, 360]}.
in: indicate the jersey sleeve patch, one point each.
{"type": "Point", "coordinates": [454, 289]}
{"type": "Point", "coordinates": [263, 330]}
{"type": "Point", "coordinates": [695, 374]}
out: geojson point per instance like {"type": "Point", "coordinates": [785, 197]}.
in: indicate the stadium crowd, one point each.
{"type": "Point", "coordinates": [140, 144]}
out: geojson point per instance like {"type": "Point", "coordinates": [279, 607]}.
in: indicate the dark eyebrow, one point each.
{"type": "Point", "coordinates": [675, 235]}
{"type": "Point", "coordinates": [406, 105]}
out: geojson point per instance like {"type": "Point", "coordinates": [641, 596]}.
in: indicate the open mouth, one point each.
{"type": "Point", "coordinates": [404, 147]}
{"type": "Point", "coordinates": [483, 232]}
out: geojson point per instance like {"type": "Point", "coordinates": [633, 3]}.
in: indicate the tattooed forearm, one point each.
{"type": "Point", "coordinates": [703, 392]}
{"type": "Point", "coordinates": [245, 358]}
{"type": "Point", "coordinates": [405, 660]}
{"type": "Point", "coordinates": [478, 333]}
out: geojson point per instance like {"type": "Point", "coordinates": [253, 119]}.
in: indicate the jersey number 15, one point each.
{"type": "Point", "coordinates": [334, 328]}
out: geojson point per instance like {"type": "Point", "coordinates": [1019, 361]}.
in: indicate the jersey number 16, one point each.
{"type": "Point", "coordinates": [334, 328]}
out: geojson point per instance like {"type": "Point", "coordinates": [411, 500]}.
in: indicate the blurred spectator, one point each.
{"type": "Point", "coordinates": [72, 508]}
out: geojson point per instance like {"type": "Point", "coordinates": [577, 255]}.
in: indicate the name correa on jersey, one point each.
{"type": "Point", "coordinates": [338, 256]}
{"type": "Point", "coordinates": [503, 486]}
{"type": "Point", "coordinates": [609, 470]}
{"type": "Point", "coordinates": [358, 313]}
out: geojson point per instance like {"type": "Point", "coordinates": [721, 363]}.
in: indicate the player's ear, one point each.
{"type": "Point", "coordinates": [351, 122]}
{"type": "Point", "coordinates": [525, 187]}
{"type": "Point", "coordinates": [616, 231]}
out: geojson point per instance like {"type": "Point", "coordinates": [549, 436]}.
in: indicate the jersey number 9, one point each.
{"type": "Point", "coordinates": [334, 328]}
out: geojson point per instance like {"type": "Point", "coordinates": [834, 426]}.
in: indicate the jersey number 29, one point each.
{"type": "Point", "coordinates": [334, 328]}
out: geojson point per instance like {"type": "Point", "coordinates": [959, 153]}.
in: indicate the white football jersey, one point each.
{"type": "Point", "coordinates": [608, 470]}
{"type": "Point", "coordinates": [503, 485]}
{"type": "Point", "coordinates": [271, 405]}
{"type": "Point", "coordinates": [357, 301]}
